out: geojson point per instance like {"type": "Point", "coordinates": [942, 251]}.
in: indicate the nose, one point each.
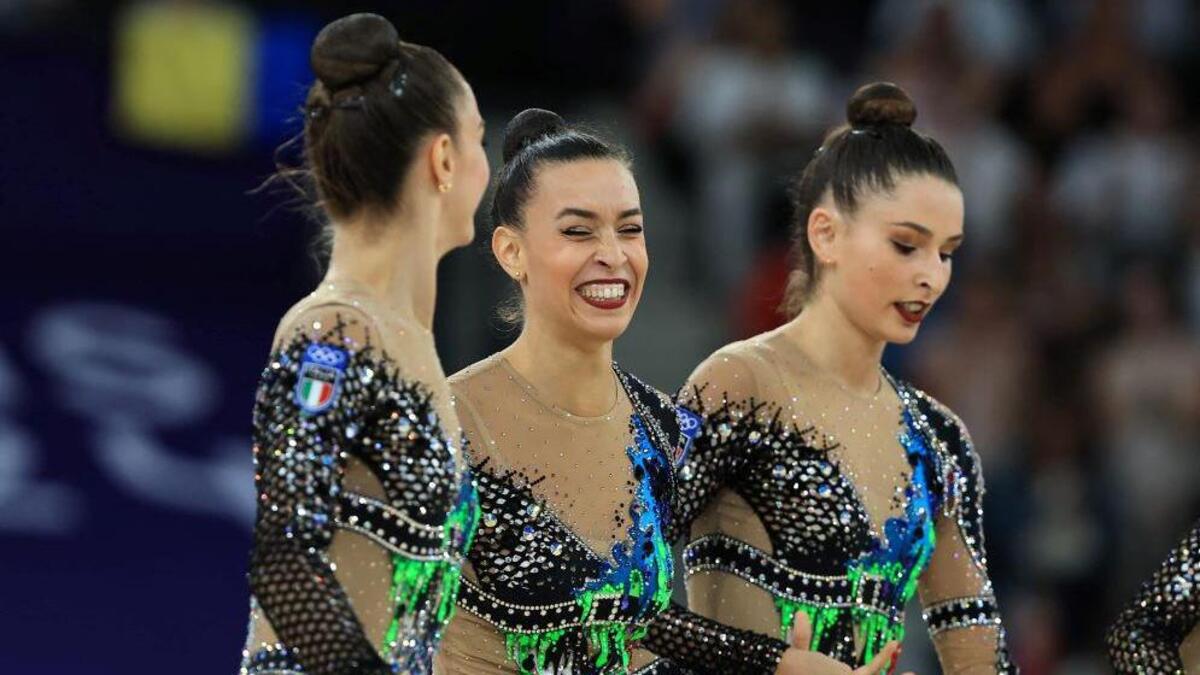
{"type": "Point", "coordinates": [934, 276]}
{"type": "Point", "coordinates": [608, 251]}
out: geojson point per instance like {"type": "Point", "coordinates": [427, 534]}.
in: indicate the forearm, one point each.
{"type": "Point", "coordinates": [707, 646]}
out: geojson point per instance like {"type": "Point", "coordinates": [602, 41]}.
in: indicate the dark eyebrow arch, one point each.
{"type": "Point", "coordinates": [572, 211]}
{"type": "Point", "coordinates": [584, 213]}
{"type": "Point", "coordinates": [921, 229]}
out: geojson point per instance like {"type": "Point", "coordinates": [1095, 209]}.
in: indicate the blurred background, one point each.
{"type": "Point", "coordinates": [149, 275]}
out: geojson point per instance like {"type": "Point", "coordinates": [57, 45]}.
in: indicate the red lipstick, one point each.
{"type": "Point", "coordinates": [911, 317]}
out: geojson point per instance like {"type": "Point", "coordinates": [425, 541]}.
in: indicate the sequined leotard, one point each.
{"type": "Point", "coordinates": [365, 509]}
{"type": "Point", "coordinates": [804, 497]}
{"type": "Point", "coordinates": [1148, 634]}
{"type": "Point", "coordinates": [571, 569]}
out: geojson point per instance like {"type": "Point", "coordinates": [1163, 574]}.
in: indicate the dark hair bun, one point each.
{"type": "Point", "coordinates": [353, 49]}
{"type": "Point", "coordinates": [878, 104]}
{"type": "Point", "coordinates": [529, 126]}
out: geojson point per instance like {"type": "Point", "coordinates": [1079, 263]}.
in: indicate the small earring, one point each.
{"type": "Point", "coordinates": [517, 276]}
{"type": "Point", "coordinates": [444, 187]}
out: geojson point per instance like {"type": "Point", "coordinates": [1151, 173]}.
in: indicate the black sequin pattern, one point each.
{"type": "Point", "coordinates": [523, 550]}
{"type": "Point", "coordinates": [813, 517]}
{"type": "Point", "coordinates": [530, 567]}
{"type": "Point", "coordinates": [1146, 636]}
{"type": "Point", "coordinates": [961, 613]}
{"type": "Point", "coordinates": [702, 645]}
{"type": "Point", "coordinates": [300, 457]}
{"type": "Point", "coordinates": [692, 642]}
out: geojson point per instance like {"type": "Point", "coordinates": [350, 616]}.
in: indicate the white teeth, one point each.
{"type": "Point", "coordinates": [914, 307]}
{"type": "Point", "coordinates": [603, 291]}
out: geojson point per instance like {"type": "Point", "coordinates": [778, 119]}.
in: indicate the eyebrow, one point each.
{"type": "Point", "coordinates": [921, 229]}
{"type": "Point", "coordinates": [584, 213]}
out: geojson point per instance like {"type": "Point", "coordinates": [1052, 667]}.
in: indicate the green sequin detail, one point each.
{"type": "Point", "coordinates": [412, 580]}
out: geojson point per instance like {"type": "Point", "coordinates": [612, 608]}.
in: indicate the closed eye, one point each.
{"type": "Point", "coordinates": [632, 228]}
{"type": "Point", "coordinates": [903, 249]}
{"type": "Point", "coordinates": [576, 232]}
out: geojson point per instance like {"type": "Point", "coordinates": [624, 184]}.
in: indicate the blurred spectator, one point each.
{"type": "Point", "coordinates": [1067, 540]}
{"type": "Point", "coordinates": [1000, 32]}
{"type": "Point", "coordinates": [1146, 389]}
{"type": "Point", "coordinates": [1163, 28]}
{"type": "Point", "coordinates": [746, 103]}
{"type": "Point", "coordinates": [1128, 180]}
{"type": "Point", "coordinates": [1191, 265]}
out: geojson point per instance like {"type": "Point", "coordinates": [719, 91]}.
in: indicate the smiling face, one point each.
{"type": "Point", "coordinates": [890, 261]}
{"type": "Point", "coordinates": [581, 254]}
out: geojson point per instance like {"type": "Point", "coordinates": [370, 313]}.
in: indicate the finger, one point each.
{"type": "Point", "coordinates": [881, 661]}
{"type": "Point", "coordinates": [801, 632]}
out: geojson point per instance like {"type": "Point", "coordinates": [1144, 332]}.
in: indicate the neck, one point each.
{"type": "Point", "coordinates": [575, 376]}
{"type": "Point", "coordinates": [836, 346]}
{"type": "Point", "coordinates": [395, 259]}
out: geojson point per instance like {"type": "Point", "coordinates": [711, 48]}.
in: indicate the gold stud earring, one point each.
{"type": "Point", "coordinates": [517, 276]}
{"type": "Point", "coordinates": [444, 187]}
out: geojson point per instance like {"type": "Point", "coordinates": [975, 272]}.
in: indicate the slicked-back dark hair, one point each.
{"type": "Point", "coordinates": [375, 98]}
{"type": "Point", "coordinates": [533, 139]}
{"type": "Point", "coordinates": [870, 153]}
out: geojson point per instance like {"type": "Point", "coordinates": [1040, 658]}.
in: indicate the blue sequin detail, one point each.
{"type": "Point", "coordinates": [645, 550]}
{"type": "Point", "coordinates": [905, 541]}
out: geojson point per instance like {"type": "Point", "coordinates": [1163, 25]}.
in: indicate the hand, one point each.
{"type": "Point", "coordinates": [799, 660]}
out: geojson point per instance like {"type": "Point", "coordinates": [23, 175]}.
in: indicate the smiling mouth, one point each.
{"type": "Point", "coordinates": [604, 294]}
{"type": "Point", "coordinates": [912, 312]}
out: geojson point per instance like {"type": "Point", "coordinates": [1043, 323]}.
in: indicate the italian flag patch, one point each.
{"type": "Point", "coordinates": [320, 376]}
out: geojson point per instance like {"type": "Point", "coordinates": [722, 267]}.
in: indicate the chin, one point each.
{"type": "Point", "coordinates": [608, 333]}
{"type": "Point", "coordinates": [604, 330]}
{"type": "Point", "coordinates": [900, 335]}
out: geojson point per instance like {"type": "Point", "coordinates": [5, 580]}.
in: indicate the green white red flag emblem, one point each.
{"type": "Point", "coordinates": [320, 377]}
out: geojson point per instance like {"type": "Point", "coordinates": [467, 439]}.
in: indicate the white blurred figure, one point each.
{"type": "Point", "coordinates": [1146, 384]}
{"type": "Point", "coordinates": [1130, 183]}
{"type": "Point", "coordinates": [744, 103]}
{"type": "Point", "coordinates": [1002, 33]}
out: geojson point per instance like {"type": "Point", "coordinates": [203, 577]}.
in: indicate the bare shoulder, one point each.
{"type": "Point", "coordinates": [725, 375]}
{"type": "Point", "coordinates": [339, 323]}
{"type": "Point", "coordinates": [468, 382]}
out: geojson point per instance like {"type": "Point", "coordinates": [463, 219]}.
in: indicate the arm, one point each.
{"type": "Point", "coordinates": [309, 399]}
{"type": "Point", "coordinates": [1148, 633]}
{"type": "Point", "coordinates": [716, 415]}
{"type": "Point", "coordinates": [707, 646]}
{"type": "Point", "coordinates": [960, 605]}
{"type": "Point", "coordinates": [712, 450]}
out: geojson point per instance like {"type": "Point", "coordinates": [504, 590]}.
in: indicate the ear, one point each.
{"type": "Point", "coordinates": [508, 247]}
{"type": "Point", "coordinates": [824, 226]}
{"type": "Point", "coordinates": [441, 161]}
